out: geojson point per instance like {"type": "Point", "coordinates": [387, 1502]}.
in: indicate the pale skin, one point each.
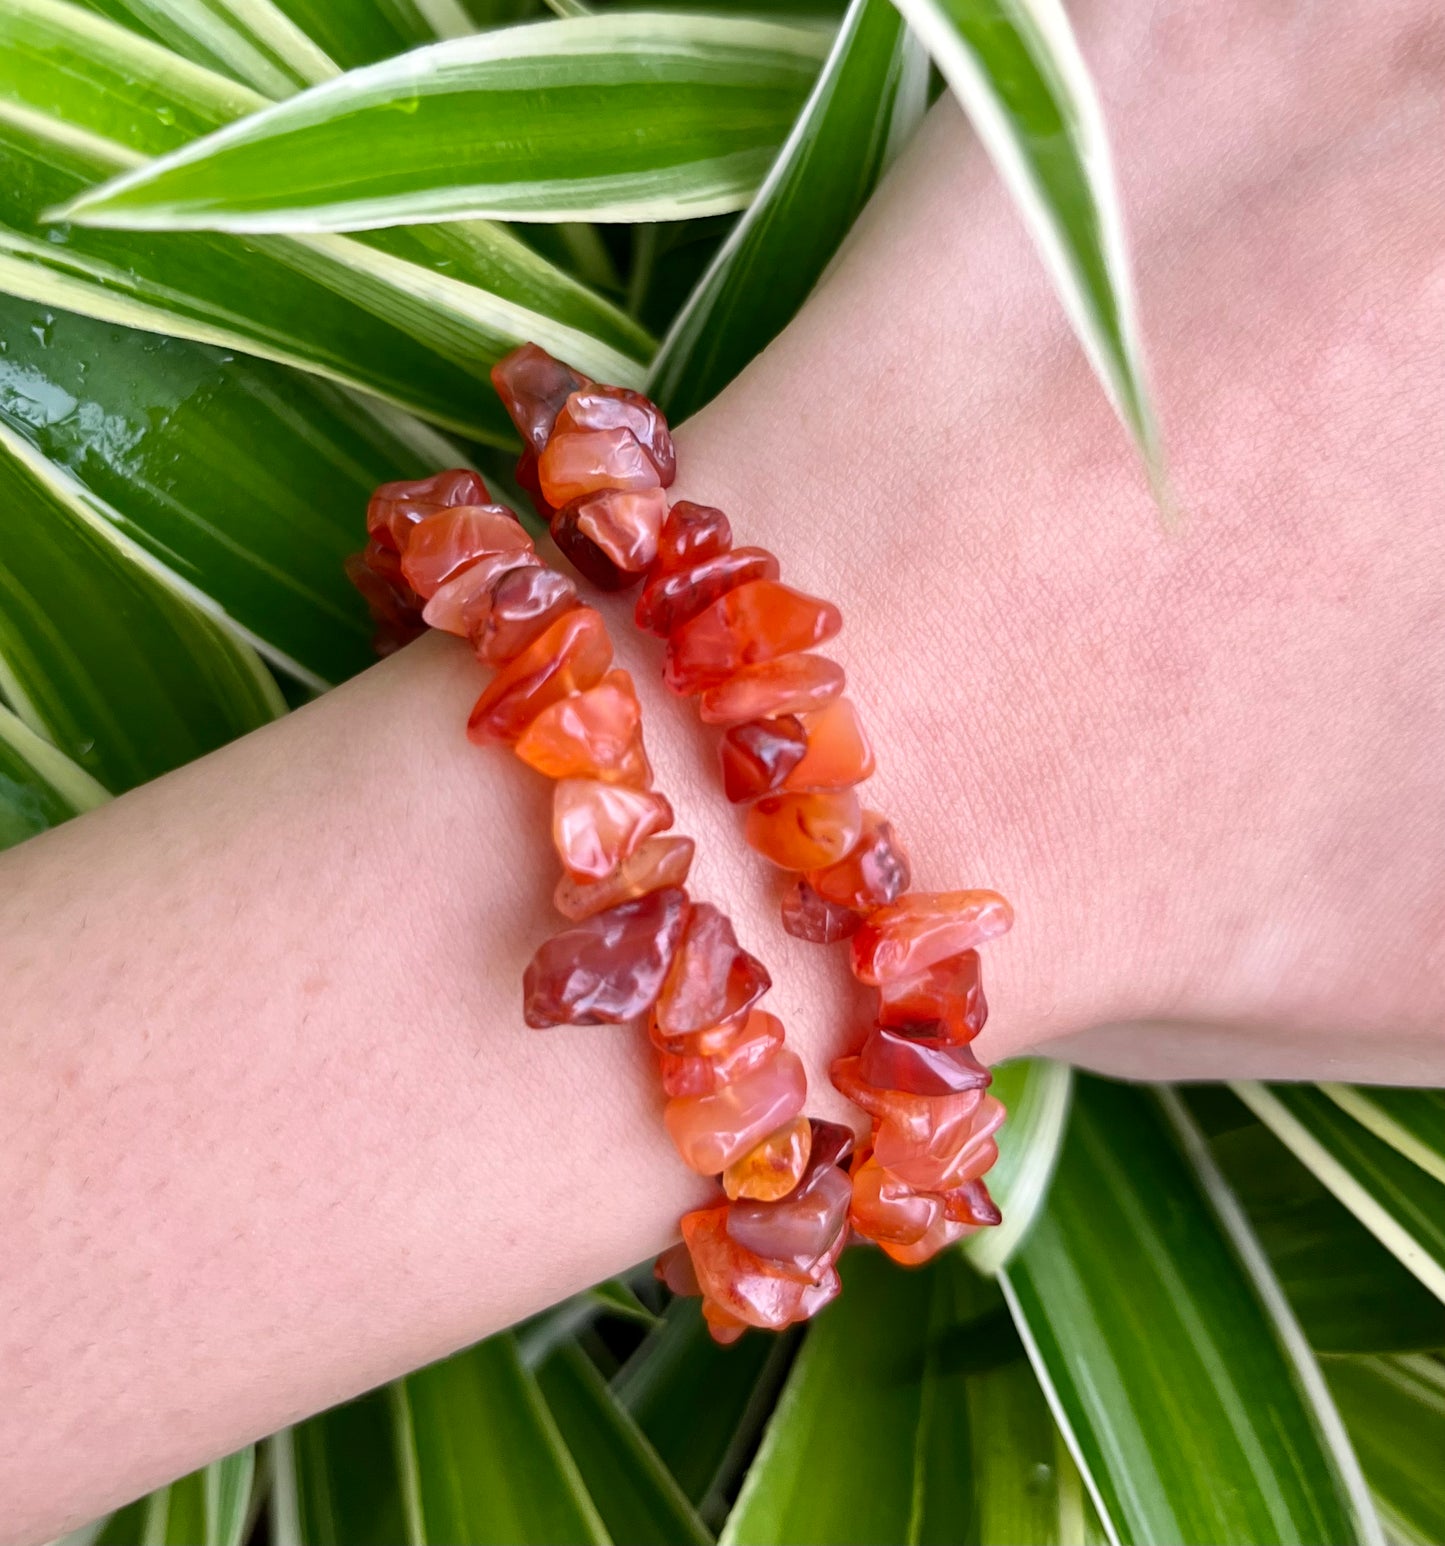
{"type": "Point", "coordinates": [273, 1131]}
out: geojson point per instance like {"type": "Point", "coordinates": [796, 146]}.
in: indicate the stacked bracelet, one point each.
{"type": "Point", "coordinates": [596, 462]}
{"type": "Point", "coordinates": [793, 749]}
{"type": "Point", "coordinates": [637, 944]}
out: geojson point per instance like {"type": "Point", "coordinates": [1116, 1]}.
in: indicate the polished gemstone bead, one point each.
{"type": "Point", "coordinates": [838, 754]}
{"type": "Point", "coordinates": [624, 524]}
{"type": "Point", "coordinates": [942, 1233]}
{"type": "Point", "coordinates": [609, 968]}
{"type": "Point", "coordinates": [758, 756]}
{"type": "Point", "coordinates": [885, 1208]}
{"type": "Point", "coordinates": [724, 1327]}
{"type": "Point", "coordinates": [691, 534]}
{"type": "Point", "coordinates": [464, 603]}
{"type": "Point", "coordinates": [656, 864]}
{"type": "Point", "coordinates": [614, 407]}
{"type": "Point", "coordinates": [957, 1151]}
{"type": "Point", "coordinates": [530, 483]}
{"type": "Point", "coordinates": [791, 684]}
{"type": "Point", "coordinates": [394, 607]}
{"type": "Point", "coordinates": [945, 999]}
{"type": "Point", "coordinates": [772, 1168]}
{"type": "Point", "coordinates": [971, 1204]}
{"type": "Point", "coordinates": [611, 536]}
{"type": "Point", "coordinates": [568, 656]}
{"type": "Point", "coordinates": [923, 928]}
{"type": "Point", "coordinates": [674, 1269]}
{"type": "Point", "coordinates": [573, 465]}
{"type": "Point", "coordinates": [758, 621]}
{"type": "Point", "coordinates": [596, 733]}
{"type": "Point", "coordinates": [711, 1131]}
{"type": "Point", "coordinates": [677, 596]}
{"type": "Point", "coordinates": [448, 541]}
{"type": "Point", "coordinates": [749, 1043]}
{"type": "Point", "coordinates": [918, 1137]}
{"type": "Point", "coordinates": [805, 831]}
{"type": "Point", "coordinates": [894, 1060]}
{"type": "Point", "coordinates": [533, 387]}
{"type": "Point", "coordinates": [396, 507]}
{"type": "Point", "coordinates": [713, 979]}
{"type": "Point", "coordinates": [807, 916]}
{"type": "Point", "coordinates": [739, 1287]}
{"type": "Point", "coordinates": [802, 1231]}
{"type": "Point", "coordinates": [874, 873]}
{"type": "Point", "coordinates": [595, 825]}
{"type": "Point", "coordinates": [524, 603]}
{"type": "Point", "coordinates": [832, 1143]}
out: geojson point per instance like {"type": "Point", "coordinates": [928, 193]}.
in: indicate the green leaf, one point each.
{"type": "Point", "coordinates": [1398, 1202]}
{"type": "Point", "coordinates": [416, 317]}
{"type": "Point", "coordinates": [1395, 1410]}
{"type": "Point", "coordinates": [99, 650]}
{"type": "Point", "coordinates": [1037, 1094]}
{"type": "Point", "coordinates": [210, 1507]}
{"type": "Point", "coordinates": [613, 117]}
{"type": "Point", "coordinates": [1412, 1121]}
{"type": "Point", "coordinates": [355, 32]}
{"type": "Point", "coordinates": [912, 1416]}
{"type": "Point", "coordinates": [701, 1441]}
{"type": "Point", "coordinates": [252, 41]}
{"type": "Point", "coordinates": [982, 1404]}
{"type": "Point", "coordinates": [1015, 68]}
{"type": "Point", "coordinates": [481, 1458]}
{"type": "Point", "coordinates": [240, 479]}
{"type": "Point", "coordinates": [39, 785]}
{"type": "Point", "coordinates": [1349, 1292]}
{"type": "Point", "coordinates": [1186, 1390]}
{"type": "Point", "coordinates": [336, 1479]}
{"type": "Point", "coordinates": [866, 102]}
{"type": "Point", "coordinates": [637, 1496]}
{"type": "Point", "coordinates": [836, 1463]}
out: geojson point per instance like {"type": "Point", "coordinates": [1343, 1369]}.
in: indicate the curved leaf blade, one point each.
{"type": "Point", "coordinates": [98, 651]}
{"type": "Point", "coordinates": [1350, 1294]}
{"type": "Point", "coordinates": [1037, 1094]}
{"type": "Point", "coordinates": [1395, 1409]}
{"type": "Point", "coordinates": [637, 1496]}
{"type": "Point", "coordinates": [467, 1429]}
{"type": "Point", "coordinates": [611, 117]}
{"type": "Point", "coordinates": [416, 317]}
{"type": "Point", "coordinates": [865, 103]}
{"type": "Point", "coordinates": [912, 1416]}
{"type": "Point", "coordinates": [39, 785]}
{"type": "Point", "coordinates": [336, 1479]}
{"type": "Point", "coordinates": [242, 480]}
{"type": "Point", "coordinates": [1016, 70]}
{"type": "Point", "coordinates": [1184, 1386]}
{"type": "Point", "coordinates": [701, 1442]}
{"type": "Point", "coordinates": [252, 41]}
{"type": "Point", "coordinates": [1399, 1203]}
{"type": "Point", "coordinates": [1412, 1121]}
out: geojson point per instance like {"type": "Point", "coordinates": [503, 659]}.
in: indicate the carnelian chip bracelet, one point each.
{"type": "Point", "coordinates": [441, 555]}
{"type": "Point", "coordinates": [793, 750]}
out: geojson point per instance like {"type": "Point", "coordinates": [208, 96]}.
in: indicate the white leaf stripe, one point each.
{"type": "Point", "coordinates": [1057, 1407]}
{"type": "Point", "coordinates": [1236, 1226]}
{"type": "Point", "coordinates": [1029, 1150]}
{"type": "Point", "coordinates": [107, 522]}
{"type": "Point", "coordinates": [1370, 1114]}
{"type": "Point", "coordinates": [1043, 29]}
{"type": "Point", "coordinates": [1361, 1200]}
{"type": "Point", "coordinates": [79, 790]}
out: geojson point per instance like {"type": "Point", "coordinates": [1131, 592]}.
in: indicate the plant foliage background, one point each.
{"type": "Point", "coordinates": [259, 255]}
